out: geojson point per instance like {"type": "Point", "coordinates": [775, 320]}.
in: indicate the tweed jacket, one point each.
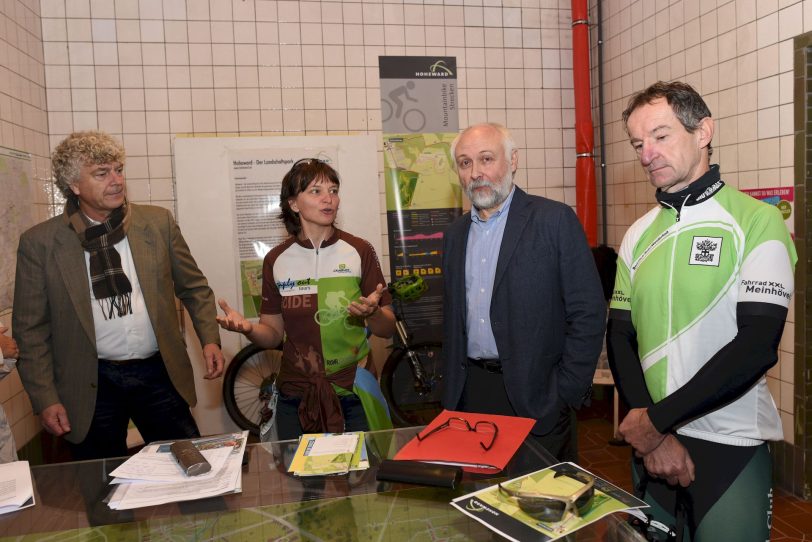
{"type": "Point", "coordinates": [53, 319]}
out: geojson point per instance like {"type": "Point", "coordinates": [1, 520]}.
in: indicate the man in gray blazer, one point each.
{"type": "Point", "coordinates": [95, 313]}
{"type": "Point", "coordinates": [524, 313]}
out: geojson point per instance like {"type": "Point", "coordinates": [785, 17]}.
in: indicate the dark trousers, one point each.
{"type": "Point", "coordinates": [485, 392]}
{"type": "Point", "coordinates": [287, 416]}
{"type": "Point", "coordinates": [141, 391]}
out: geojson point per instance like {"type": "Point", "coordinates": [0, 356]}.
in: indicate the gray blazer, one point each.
{"type": "Point", "coordinates": [547, 312]}
{"type": "Point", "coordinates": [53, 319]}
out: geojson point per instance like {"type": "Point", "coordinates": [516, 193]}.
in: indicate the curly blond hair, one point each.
{"type": "Point", "coordinates": [80, 149]}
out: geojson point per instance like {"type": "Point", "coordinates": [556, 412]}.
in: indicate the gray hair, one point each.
{"type": "Point", "coordinates": [80, 149]}
{"type": "Point", "coordinates": [507, 140]}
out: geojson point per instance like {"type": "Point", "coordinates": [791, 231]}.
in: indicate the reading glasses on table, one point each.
{"type": "Point", "coordinates": [554, 508]}
{"type": "Point", "coordinates": [483, 427]}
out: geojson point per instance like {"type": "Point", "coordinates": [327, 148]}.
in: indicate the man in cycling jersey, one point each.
{"type": "Point", "coordinates": [703, 286]}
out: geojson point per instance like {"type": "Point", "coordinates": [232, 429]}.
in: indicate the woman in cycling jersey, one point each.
{"type": "Point", "coordinates": [322, 289]}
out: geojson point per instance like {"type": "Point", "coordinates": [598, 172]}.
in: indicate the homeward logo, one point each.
{"type": "Point", "coordinates": [706, 251]}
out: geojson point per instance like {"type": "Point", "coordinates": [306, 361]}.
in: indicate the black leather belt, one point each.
{"type": "Point", "coordinates": [490, 365]}
{"type": "Point", "coordinates": [154, 357]}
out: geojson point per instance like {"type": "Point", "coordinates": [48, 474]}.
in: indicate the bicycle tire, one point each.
{"type": "Point", "coordinates": [407, 406]}
{"type": "Point", "coordinates": [251, 370]}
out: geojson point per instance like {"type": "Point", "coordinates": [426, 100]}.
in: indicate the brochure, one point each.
{"type": "Point", "coordinates": [329, 453]}
{"type": "Point", "coordinates": [16, 488]}
{"type": "Point", "coordinates": [546, 504]}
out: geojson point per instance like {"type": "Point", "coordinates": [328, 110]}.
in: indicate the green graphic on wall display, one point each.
{"type": "Point", "coordinates": [415, 514]}
{"type": "Point", "coordinates": [251, 280]}
{"type": "Point", "coordinates": [420, 120]}
{"type": "Point", "coordinates": [419, 172]}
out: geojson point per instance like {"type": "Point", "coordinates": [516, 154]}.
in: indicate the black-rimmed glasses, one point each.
{"type": "Point", "coordinates": [484, 427]}
{"type": "Point", "coordinates": [553, 508]}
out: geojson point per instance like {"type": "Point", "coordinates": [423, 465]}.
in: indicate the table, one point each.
{"type": "Point", "coordinates": [274, 505]}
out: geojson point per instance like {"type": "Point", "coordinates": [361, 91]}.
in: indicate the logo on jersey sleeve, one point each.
{"type": "Point", "coordinates": [706, 251]}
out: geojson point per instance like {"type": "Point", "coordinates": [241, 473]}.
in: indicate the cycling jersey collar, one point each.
{"type": "Point", "coordinates": [695, 193]}
{"type": "Point", "coordinates": [307, 243]}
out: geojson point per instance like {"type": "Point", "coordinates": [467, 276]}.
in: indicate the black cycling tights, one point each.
{"type": "Point", "coordinates": [731, 498]}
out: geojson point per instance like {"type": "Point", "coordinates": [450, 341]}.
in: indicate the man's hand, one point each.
{"type": "Point", "coordinates": [8, 346]}
{"type": "Point", "coordinates": [365, 307]}
{"type": "Point", "coordinates": [233, 320]}
{"type": "Point", "coordinates": [671, 461]}
{"type": "Point", "coordinates": [55, 419]}
{"type": "Point", "coordinates": [638, 431]}
{"type": "Point", "coordinates": [214, 361]}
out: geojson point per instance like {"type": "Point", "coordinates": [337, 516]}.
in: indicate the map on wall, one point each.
{"type": "Point", "coordinates": [16, 215]}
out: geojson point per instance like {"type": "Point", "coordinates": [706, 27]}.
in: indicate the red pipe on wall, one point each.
{"type": "Point", "coordinates": [586, 200]}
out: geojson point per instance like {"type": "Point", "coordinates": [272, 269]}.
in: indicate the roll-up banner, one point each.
{"type": "Point", "coordinates": [423, 196]}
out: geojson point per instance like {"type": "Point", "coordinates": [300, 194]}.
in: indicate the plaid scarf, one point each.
{"type": "Point", "coordinates": [111, 287]}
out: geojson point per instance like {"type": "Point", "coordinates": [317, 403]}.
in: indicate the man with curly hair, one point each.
{"type": "Point", "coordinates": [95, 314]}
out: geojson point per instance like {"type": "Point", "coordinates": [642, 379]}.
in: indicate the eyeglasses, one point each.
{"type": "Point", "coordinates": [483, 427]}
{"type": "Point", "coordinates": [553, 508]}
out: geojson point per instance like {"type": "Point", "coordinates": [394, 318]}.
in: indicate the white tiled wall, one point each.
{"type": "Point", "coordinates": [739, 55]}
{"type": "Point", "coordinates": [144, 70]}
{"type": "Point", "coordinates": [23, 126]}
{"type": "Point", "coordinates": [147, 69]}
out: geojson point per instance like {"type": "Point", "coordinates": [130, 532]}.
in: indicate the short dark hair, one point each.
{"type": "Point", "coordinates": [295, 181]}
{"type": "Point", "coordinates": [685, 101]}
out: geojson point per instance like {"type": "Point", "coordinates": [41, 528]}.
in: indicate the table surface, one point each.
{"type": "Point", "coordinates": [273, 505]}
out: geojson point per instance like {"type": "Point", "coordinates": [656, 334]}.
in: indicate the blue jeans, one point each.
{"type": "Point", "coordinates": [287, 416]}
{"type": "Point", "coordinates": [141, 391]}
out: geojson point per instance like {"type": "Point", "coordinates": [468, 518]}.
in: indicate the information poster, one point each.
{"type": "Point", "coordinates": [256, 180]}
{"type": "Point", "coordinates": [420, 120]}
{"type": "Point", "coordinates": [782, 197]}
{"type": "Point", "coordinates": [15, 214]}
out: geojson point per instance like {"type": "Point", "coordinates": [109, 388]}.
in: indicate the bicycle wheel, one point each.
{"type": "Point", "coordinates": [250, 373]}
{"type": "Point", "coordinates": [409, 403]}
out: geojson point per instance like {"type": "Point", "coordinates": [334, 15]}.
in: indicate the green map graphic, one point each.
{"type": "Point", "coordinates": [418, 514]}
{"type": "Point", "coordinates": [419, 172]}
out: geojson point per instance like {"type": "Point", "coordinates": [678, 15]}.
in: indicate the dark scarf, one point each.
{"type": "Point", "coordinates": [111, 287]}
{"type": "Point", "coordinates": [695, 193]}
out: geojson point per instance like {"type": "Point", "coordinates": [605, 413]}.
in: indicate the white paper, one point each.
{"type": "Point", "coordinates": [333, 445]}
{"type": "Point", "coordinates": [156, 466]}
{"type": "Point", "coordinates": [227, 479]}
{"type": "Point", "coordinates": [16, 488]}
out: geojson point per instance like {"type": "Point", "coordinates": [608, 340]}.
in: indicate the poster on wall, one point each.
{"type": "Point", "coordinates": [256, 179]}
{"type": "Point", "coordinates": [420, 120]}
{"type": "Point", "coordinates": [16, 215]}
{"type": "Point", "coordinates": [782, 197]}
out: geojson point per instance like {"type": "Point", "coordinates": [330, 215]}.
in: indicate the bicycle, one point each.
{"type": "Point", "coordinates": [247, 385]}
{"type": "Point", "coordinates": [412, 374]}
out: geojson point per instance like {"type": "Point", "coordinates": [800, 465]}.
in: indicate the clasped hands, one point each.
{"type": "Point", "coordinates": [663, 455]}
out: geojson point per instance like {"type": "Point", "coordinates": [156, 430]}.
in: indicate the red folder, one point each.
{"type": "Point", "coordinates": [459, 447]}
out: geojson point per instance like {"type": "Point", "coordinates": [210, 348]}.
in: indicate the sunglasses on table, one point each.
{"type": "Point", "coordinates": [554, 508]}
{"type": "Point", "coordinates": [487, 429]}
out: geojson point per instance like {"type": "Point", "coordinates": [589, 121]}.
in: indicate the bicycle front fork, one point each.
{"type": "Point", "coordinates": [415, 365]}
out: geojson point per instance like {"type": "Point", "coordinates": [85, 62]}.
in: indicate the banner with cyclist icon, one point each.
{"type": "Point", "coordinates": [419, 116]}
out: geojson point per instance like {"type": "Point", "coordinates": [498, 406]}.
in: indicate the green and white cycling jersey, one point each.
{"type": "Point", "coordinates": [682, 273]}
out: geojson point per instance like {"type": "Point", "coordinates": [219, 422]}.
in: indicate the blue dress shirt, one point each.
{"type": "Point", "coordinates": [481, 256]}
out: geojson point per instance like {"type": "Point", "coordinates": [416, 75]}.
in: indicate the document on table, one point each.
{"type": "Point", "coordinates": [222, 480]}
{"type": "Point", "coordinates": [153, 465]}
{"type": "Point", "coordinates": [16, 488]}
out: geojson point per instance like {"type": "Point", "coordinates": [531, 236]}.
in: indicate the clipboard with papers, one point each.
{"type": "Point", "coordinates": [479, 443]}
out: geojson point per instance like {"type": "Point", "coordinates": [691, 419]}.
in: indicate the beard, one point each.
{"type": "Point", "coordinates": [492, 198]}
